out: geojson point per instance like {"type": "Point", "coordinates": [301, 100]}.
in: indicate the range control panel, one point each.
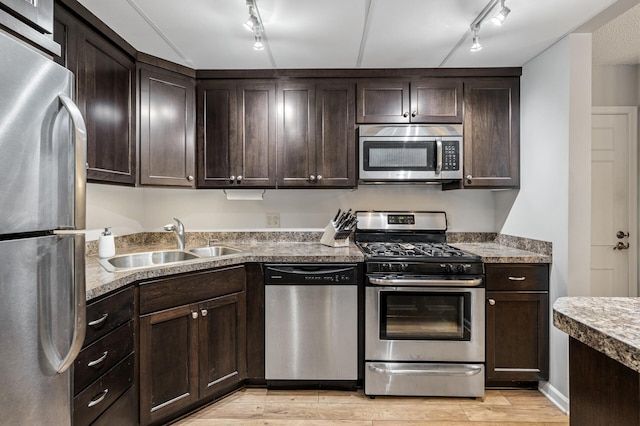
{"type": "Point", "coordinates": [289, 274]}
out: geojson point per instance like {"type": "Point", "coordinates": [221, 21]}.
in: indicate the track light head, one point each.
{"type": "Point", "coordinates": [258, 45]}
{"type": "Point", "coordinates": [476, 46]}
{"type": "Point", "coordinates": [500, 17]}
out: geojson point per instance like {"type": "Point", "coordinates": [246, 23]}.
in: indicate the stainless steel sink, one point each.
{"type": "Point", "coordinates": [214, 251]}
{"type": "Point", "coordinates": [126, 262]}
{"type": "Point", "coordinates": [141, 260]}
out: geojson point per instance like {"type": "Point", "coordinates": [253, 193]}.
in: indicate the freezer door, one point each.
{"type": "Point", "coordinates": [38, 308]}
{"type": "Point", "coordinates": [42, 140]}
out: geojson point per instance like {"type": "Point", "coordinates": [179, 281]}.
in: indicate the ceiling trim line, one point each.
{"type": "Point", "coordinates": [162, 35]}
{"type": "Point", "coordinates": [365, 31]}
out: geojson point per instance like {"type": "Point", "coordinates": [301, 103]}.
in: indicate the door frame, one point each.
{"type": "Point", "coordinates": [631, 112]}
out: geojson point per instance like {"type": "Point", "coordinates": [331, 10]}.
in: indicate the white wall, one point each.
{"type": "Point", "coordinates": [616, 85]}
{"type": "Point", "coordinates": [130, 210]}
{"type": "Point", "coordinates": [553, 203]}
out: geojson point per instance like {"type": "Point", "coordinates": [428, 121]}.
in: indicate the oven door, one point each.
{"type": "Point", "coordinates": [424, 324]}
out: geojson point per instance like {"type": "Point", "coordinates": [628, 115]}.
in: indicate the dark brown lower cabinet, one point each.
{"type": "Point", "coordinates": [517, 324]}
{"type": "Point", "coordinates": [193, 352]}
{"type": "Point", "coordinates": [602, 390]}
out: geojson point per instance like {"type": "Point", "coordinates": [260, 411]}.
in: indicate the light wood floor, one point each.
{"type": "Point", "coordinates": [251, 407]}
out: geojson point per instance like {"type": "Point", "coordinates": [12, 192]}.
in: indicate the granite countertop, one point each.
{"type": "Point", "coordinates": [282, 247]}
{"type": "Point", "coordinates": [492, 252]}
{"type": "Point", "coordinates": [610, 325]}
{"type": "Point", "coordinates": [99, 281]}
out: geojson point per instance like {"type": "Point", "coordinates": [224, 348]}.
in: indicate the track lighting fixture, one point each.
{"type": "Point", "coordinates": [254, 24]}
{"type": "Point", "coordinates": [476, 46]}
{"type": "Point", "coordinates": [499, 18]}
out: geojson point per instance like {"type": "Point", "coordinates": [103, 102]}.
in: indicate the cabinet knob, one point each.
{"type": "Point", "coordinates": [319, 177]}
{"type": "Point", "coordinates": [194, 315]}
{"type": "Point", "coordinates": [406, 114]}
{"type": "Point", "coordinates": [469, 177]}
{"type": "Point", "coordinates": [204, 312]}
{"type": "Point", "coordinates": [414, 113]}
{"type": "Point", "coordinates": [239, 178]}
{"type": "Point", "coordinates": [190, 178]}
{"type": "Point", "coordinates": [312, 178]}
{"type": "Point", "coordinates": [492, 301]}
{"type": "Point", "coordinates": [232, 177]}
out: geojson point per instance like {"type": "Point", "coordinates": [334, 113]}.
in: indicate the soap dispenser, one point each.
{"type": "Point", "coordinates": [106, 244]}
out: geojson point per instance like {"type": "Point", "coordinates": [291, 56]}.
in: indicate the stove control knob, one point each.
{"type": "Point", "coordinates": [404, 267]}
{"type": "Point", "coordinates": [448, 268]}
{"type": "Point", "coordinates": [461, 268]}
{"type": "Point", "coordinates": [386, 267]}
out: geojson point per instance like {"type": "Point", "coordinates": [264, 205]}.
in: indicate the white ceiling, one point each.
{"type": "Point", "coordinates": [208, 34]}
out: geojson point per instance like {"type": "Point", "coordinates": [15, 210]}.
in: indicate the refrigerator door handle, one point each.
{"type": "Point", "coordinates": [80, 147]}
{"type": "Point", "coordinates": [62, 363]}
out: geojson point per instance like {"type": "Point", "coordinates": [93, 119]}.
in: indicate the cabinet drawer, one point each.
{"type": "Point", "coordinates": [185, 289]}
{"type": "Point", "coordinates": [515, 277]}
{"type": "Point", "coordinates": [91, 402]}
{"type": "Point", "coordinates": [123, 412]}
{"type": "Point", "coordinates": [98, 358]}
{"type": "Point", "coordinates": [106, 314]}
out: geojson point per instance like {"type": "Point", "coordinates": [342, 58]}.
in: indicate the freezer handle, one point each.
{"type": "Point", "coordinates": [62, 363]}
{"type": "Point", "coordinates": [80, 165]}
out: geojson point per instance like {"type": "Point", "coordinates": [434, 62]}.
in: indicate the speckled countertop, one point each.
{"type": "Point", "coordinates": [282, 247]}
{"type": "Point", "coordinates": [610, 325]}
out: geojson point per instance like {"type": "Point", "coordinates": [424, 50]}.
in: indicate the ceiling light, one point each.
{"type": "Point", "coordinates": [476, 46]}
{"type": "Point", "coordinates": [502, 15]}
{"type": "Point", "coordinates": [258, 44]}
{"type": "Point", "coordinates": [251, 23]}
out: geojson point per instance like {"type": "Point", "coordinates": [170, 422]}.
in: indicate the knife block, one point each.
{"type": "Point", "coordinates": [333, 238]}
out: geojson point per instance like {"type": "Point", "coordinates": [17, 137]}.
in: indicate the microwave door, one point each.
{"type": "Point", "coordinates": [398, 160]}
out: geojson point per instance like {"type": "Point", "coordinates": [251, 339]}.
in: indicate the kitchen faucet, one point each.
{"type": "Point", "coordinates": [178, 230]}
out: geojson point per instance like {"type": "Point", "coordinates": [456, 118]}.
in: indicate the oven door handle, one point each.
{"type": "Point", "coordinates": [476, 282]}
{"type": "Point", "coordinates": [427, 370]}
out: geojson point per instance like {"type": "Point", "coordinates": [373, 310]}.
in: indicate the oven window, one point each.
{"type": "Point", "coordinates": [425, 316]}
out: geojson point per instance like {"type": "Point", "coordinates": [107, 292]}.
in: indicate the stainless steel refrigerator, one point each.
{"type": "Point", "coordinates": [42, 187]}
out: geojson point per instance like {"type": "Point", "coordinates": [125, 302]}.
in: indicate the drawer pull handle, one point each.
{"type": "Point", "coordinates": [97, 400]}
{"type": "Point", "coordinates": [99, 360]}
{"type": "Point", "coordinates": [517, 278]}
{"type": "Point", "coordinates": [99, 321]}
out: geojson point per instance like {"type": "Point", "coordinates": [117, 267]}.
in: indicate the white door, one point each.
{"type": "Point", "coordinates": [614, 201]}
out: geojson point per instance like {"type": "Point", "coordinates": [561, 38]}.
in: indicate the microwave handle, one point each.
{"type": "Point", "coordinates": [438, 156]}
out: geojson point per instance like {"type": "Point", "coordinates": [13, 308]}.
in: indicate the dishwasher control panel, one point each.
{"type": "Point", "coordinates": [300, 274]}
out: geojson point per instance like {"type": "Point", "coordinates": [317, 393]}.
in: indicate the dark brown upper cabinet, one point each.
{"type": "Point", "coordinates": [316, 134]}
{"type": "Point", "coordinates": [492, 133]}
{"type": "Point", "coordinates": [236, 122]}
{"type": "Point", "coordinates": [428, 100]}
{"type": "Point", "coordinates": [167, 128]}
{"type": "Point", "coordinates": [105, 94]}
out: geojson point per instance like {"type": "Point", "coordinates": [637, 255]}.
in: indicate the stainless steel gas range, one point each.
{"type": "Point", "coordinates": [424, 308]}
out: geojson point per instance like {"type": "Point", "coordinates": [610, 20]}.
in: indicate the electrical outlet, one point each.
{"type": "Point", "coordinates": [273, 220]}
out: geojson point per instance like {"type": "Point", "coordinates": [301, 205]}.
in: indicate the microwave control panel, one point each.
{"type": "Point", "coordinates": [450, 155]}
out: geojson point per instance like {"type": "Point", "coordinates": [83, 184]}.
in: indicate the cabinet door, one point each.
{"type": "Point", "coordinates": [383, 101]}
{"type": "Point", "coordinates": [436, 100]}
{"type": "Point", "coordinates": [335, 134]}
{"type": "Point", "coordinates": [167, 128]}
{"type": "Point", "coordinates": [106, 88]}
{"type": "Point", "coordinates": [296, 134]}
{"type": "Point", "coordinates": [223, 345]}
{"type": "Point", "coordinates": [168, 362]}
{"type": "Point", "coordinates": [492, 133]}
{"type": "Point", "coordinates": [255, 150]}
{"type": "Point", "coordinates": [517, 336]}
{"type": "Point", "coordinates": [217, 133]}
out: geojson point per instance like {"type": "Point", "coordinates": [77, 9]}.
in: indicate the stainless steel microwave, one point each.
{"type": "Point", "coordinates": [410, 153]}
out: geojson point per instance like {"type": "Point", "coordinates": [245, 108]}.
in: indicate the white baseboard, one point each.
{"type": "Point", "coordinates": [555, 396]}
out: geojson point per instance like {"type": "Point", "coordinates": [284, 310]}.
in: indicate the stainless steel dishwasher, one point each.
{"type": "Point", "coordinates": [311, 324]}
